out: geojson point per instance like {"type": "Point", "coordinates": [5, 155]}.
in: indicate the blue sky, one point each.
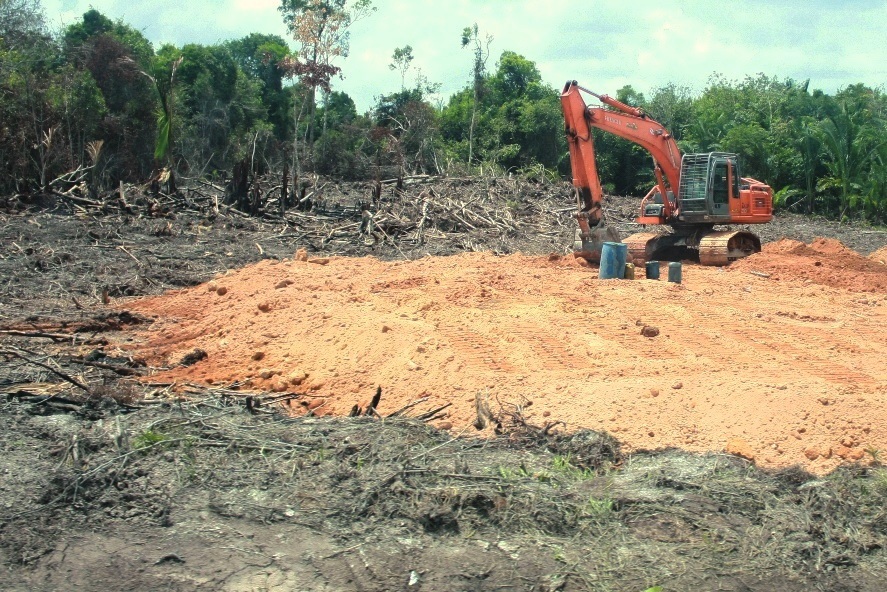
{"type": "Point", "coordinates": [604, 44]}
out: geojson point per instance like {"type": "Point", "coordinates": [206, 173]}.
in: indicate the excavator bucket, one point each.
{"type": "Point", "coordinates": [589, 244]}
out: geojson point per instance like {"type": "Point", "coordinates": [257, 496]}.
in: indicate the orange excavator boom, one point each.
{"type": "Point", "coordinates": [630, 123]}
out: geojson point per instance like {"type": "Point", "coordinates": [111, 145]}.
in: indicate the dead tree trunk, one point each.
{"type": "Point", "coordinates": [284, 188]}
{"type": "Point", "coordinates": [238, 188]}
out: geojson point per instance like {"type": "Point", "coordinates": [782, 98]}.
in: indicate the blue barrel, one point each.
{"type": "Point", "coordinates": [674, 272]}
{"type": "Point", "coordinates": [652, 270]}
{"type": "Point", "coordinates": [613, 257]}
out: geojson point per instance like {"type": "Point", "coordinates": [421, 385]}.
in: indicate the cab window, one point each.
{"type": "Point", "coordinates": [720, 190]}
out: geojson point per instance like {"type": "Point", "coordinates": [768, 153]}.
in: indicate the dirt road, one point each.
{"type": "Point", "coordinates": [778, 358]}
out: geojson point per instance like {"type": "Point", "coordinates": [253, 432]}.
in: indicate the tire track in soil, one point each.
{"type": "Point", "coordinates": [551, 353]}
{"type": "Point", "coordinates": [803, 360]}
{"type": "Point", "coordinates": [478, 350]}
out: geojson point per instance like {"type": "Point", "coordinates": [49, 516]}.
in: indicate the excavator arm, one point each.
{"type": "Point", "coordinates": [626, 122]}
{"type": "Point", "coordinates": [582, 159]}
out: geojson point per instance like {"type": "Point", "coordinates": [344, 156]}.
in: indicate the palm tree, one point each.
{"type": "Point", "coordinates": [848, 151]}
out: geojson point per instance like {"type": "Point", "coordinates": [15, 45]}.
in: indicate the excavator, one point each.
{"type": "Point", "coordinates": [693, 193]}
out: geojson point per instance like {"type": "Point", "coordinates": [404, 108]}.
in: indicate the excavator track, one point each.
{"type": "Point", "coordinates": [641, 247]}
{"type": "Point", "coordinates": [720, 248]}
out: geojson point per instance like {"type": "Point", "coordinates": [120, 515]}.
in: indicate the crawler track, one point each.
{"type": "Point", "coordinates": [641, 247]}
{"type": "Point", "coordinates": [720, 248]}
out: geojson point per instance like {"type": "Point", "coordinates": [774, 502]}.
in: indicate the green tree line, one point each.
{"type": "Point", "coordinates": [97, 104]}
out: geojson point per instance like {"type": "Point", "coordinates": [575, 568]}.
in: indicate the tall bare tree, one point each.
{"type": "Point", "coordinates": [321, 28]}
{"type": "Point", "coordinates": [400, 61]}
{"type": "Point", "coordinates": [481, 48]}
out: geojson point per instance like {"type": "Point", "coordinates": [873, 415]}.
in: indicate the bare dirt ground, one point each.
{"type": "Point", "coordinates": [234, 478]}
{"type": "Point", "coordinates": [546, 333]}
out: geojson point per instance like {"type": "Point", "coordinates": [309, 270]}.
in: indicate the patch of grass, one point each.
{"type": "Point", "coordinates": [879, 481]}
{"type": "Point", "coordinates": [148, 439]}
{"type": "Point", "coordinates": [563, 465]}
{"type": "Point", "coordinates": [510, 474]}
{"type": "Point", "coordinates": [598, 509]}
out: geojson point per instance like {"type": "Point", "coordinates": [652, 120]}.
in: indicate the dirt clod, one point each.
{"type": "Point", "coordinates": [739, 447]}
{"type": "Point", "coordinates": [297, 377]}
{"type": "Point", "coordinates": [193, 356]}
{"type": "Point", "coordinates": [649, 331]}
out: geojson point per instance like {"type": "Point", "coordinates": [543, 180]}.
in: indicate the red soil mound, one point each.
{"type": "Point", "coordinates": [825, 261]}
{"type": "Point", "coordinates": [880, 256]}
{"type": "Point", "coordinates": [786, 246]}
{"type": "Point", "coordinates": [782, 371]}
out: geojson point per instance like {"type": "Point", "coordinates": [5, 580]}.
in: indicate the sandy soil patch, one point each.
{"type": "Point", "coordinates": [779, 358]}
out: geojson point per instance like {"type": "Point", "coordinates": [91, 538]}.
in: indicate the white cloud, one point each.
{"type": "Point", "coordinates": [603, 43]}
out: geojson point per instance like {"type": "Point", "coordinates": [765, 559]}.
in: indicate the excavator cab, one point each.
{"type": "Point", "coordinates": [708, 182]}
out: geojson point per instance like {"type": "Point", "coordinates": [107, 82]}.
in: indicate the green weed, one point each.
{"type": "Point", "coordinates": [509, 474]}
{"type": "Point", "coordinates": [148, 438]}
{"type": "Point", "coordinates": [542, 477]}
{"type": "Point", "coordinates": [598, 509]}
{"type": "Point", "coordinates": [564, 465]}
{"type": "Point", "coordinates": [320, 456]}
